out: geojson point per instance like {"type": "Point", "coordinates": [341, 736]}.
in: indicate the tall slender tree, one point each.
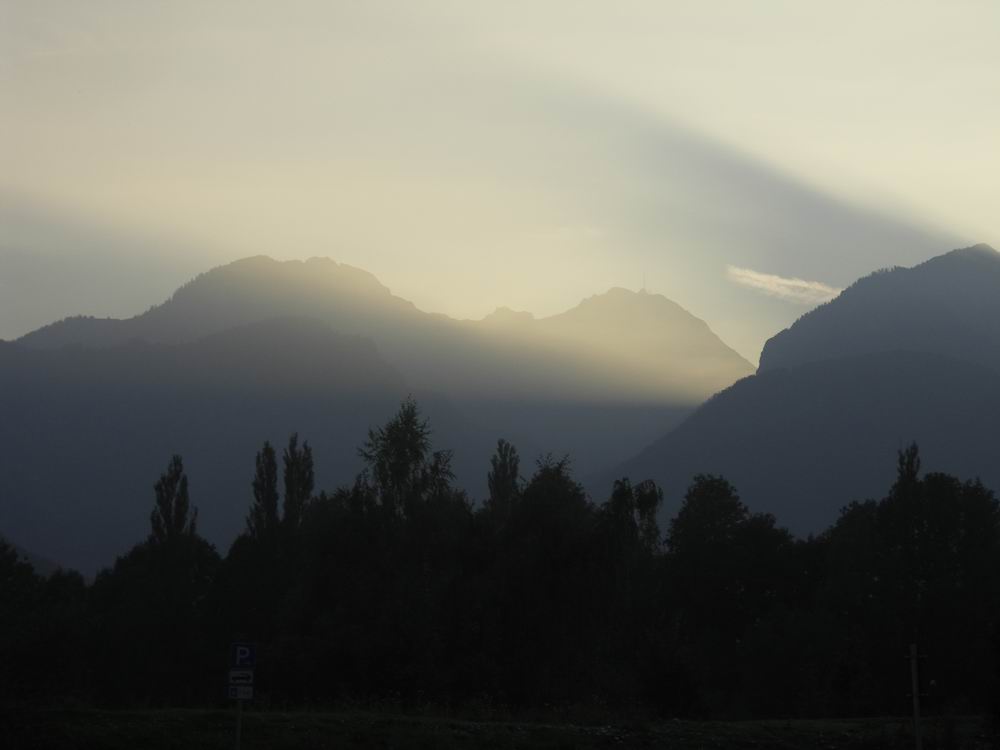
{"type": "Point", "coordinates": [648, 499]}
{"type": "Point", "coordinates": [907, 471]}
{"type": "Point", "coordinates": [263, 520]}
{"type": "Point", "coordinates": [504, 479]}
{"type": "Point", "coordinates": [170, 517]}
{"type": "Point", "coordinates": [300, 480]}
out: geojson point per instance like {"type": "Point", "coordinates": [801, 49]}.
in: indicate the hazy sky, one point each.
{"type": "Point", "coordinates": [747, 159]}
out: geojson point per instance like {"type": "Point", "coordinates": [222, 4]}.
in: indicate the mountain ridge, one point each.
{"type": "Point", "coordinates": [903, 354]}
{"type": "Point", "coordinates": [801, 442]}
{"type": "Point", "coordinates": [959, 287]}
{"type": "Point", "coordinates": [551, 356]}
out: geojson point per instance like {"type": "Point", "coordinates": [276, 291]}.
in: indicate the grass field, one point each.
{"type": "Point", "coordinates": [197, 730]}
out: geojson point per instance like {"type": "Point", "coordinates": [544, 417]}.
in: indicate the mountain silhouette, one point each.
{"type": "Point", "coordinates": [801, 443]}
{"type": "Point", "coordinates": [623, 361]}
{"type": "Point", "coordinates": [902, 355]}
{"type": "Point", "coordinates": [86, 432]}
{"type": "Point", "coordinates": [260, 349]}
{"type": "Point", "coordinates": [647, 333]}
{"type": "Point", "coordinates": [669, 355]}
{"type": "Point", "coordinates": [245, 291]}
{"type": "Point", "coordinates": [949, 305]}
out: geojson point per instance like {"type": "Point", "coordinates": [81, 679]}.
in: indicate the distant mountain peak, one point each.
{"type": "Point", "coordinates": [262, 269]}
{"type": "Point", "coordinates": [622, 296]}
{"type": "Point", "coordinates": [620, 292]}
{"type": "Point", "coordinates": [977, 253]}
{"type": "Point", "coordinates": [508, 316]}
{"type": "Point", "coordinates": [652, 333]}
{"type": "Point", "coordinates": [947, 305]}
{"type": "Point", "coordinates": [982, 247]}
{"type": "Point", "coordinates": [243, 291]}
{"type": "Point", "coordinates": [619, 305]}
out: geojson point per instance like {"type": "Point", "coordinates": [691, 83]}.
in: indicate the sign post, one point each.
{"type": "Point", "coordinates": [915, 688]}
{"type": "Point", "coordinates": [242, 659]}
{"type": "Point", "coordinates": [239, 723]}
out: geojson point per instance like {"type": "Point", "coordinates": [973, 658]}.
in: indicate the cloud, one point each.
{"type": "Point", "coordinates": [799, 291]}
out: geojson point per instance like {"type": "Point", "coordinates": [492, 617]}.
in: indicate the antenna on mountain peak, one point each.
{"type": "Point", "coordinates": [643, 290]}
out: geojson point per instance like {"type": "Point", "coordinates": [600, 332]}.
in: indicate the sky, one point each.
{"type": "Point", "coordinates": [747, 160]}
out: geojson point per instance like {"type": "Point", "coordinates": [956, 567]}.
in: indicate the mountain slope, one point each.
{"type": "Point", "coordinates": [259, 349]}
{"type": "Point", "coordinates": [901, 355]}
{"type": "Point", "coordinates": [802, 442]}
{"type": "Point", "coordinates": [597, 382]}
{"type": "Point", "coordinates": [86, 432]}
{"type": "Point", "coordinates": [641, 340]}
{"type": "Point", "coordinates": [245, 291]}
{"type": "Point", "coordinates": [949, 305]}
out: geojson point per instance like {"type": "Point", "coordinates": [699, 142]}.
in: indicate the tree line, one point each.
{"type": "Point", "coordinates": [400, 590]}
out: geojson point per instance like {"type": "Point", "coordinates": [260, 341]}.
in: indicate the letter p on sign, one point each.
{"type": "Point", "coordinates": [243, 655]}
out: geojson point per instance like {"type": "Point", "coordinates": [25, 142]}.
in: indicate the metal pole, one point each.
{"type": "Point", "coordinates": [915, 685]}
{"type": "Point", "coordinates": [239, 722]}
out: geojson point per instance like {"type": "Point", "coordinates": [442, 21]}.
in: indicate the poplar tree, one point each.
{"type": "Point", "coordinates": [170, 517]}
{"type": "Point", "coordinates": [263, 520]}
{"type": "Point", "coordinates": [300, 480]}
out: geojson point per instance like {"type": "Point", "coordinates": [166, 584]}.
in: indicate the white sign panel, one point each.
{"type": "Point", "coordinates": [241, 677]}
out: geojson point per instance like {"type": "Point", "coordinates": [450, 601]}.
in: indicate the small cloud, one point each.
{"type": "Point", "coordinates": [799, 291]}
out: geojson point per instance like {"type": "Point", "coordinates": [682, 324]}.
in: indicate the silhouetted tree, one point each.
{"type": "Point", "coordinates": [628, 625]}
{"type": "Point", "coordinates": [400, 468]}
{"type": "Point", "coordinates": [907, 472]}
{"type": "Point", "coordinates": [158, 593]}
{"type": "Point", "coordinates": [504, 479]}
{"type": "Point", "coordinates": [299, 481]}
{"type": "Point", "coordinates": [635, 508]}
{"type": "Point", "coordinates": [19, 598]}
{"type": "Point", "coordinates": [170, 517]}
{"type": "Point", "coordinates": [544, 577]}
{"type": "Point", "coordinates": [728, 569]}
{"type": "Point", "coordinates": [708, 518]}
{"type": "Point", "coordinates": [396, 589]}
{"type": "Point", "coordinates": [263, 520]}
{"type": "Point", "coordinates": [902, 570]}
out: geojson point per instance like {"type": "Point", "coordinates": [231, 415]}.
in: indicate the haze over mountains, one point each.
{"type": "Point", "coordinates": [902, 355]}
{"type": "Point", "coordinates": [259, 349]}
{"type": "Point", "coordinates": [673, 355]}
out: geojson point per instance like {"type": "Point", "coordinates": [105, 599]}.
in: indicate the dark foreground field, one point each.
{"type": "Point", "coordinates": [121, 730]}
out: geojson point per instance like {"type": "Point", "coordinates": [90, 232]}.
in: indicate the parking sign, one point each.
{"type": "Point", "coordinates": [243, 655]}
